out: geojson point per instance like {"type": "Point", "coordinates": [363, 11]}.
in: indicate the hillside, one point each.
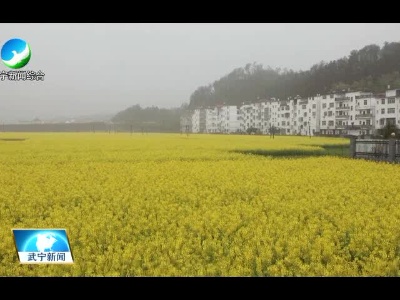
{"type": "Point", "coordinates": [371, 68]}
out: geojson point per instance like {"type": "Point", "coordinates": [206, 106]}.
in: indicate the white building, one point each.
{"type": "Point", "coordinates": [327, 113]}
{"type": "Point", "coordinates": [347, 113]}
{"type": "Point", "coordinates": [365, 113]}
{"type": "Point", "coordinates": [228, 119]}
{"type": "Point", "coordinates": [247, 117]}
{"type": "Point", "coordinates": [283, 124]}
{"type": "Point", "coordinates": [196, 121]}
{"type": "Point", "coordinates": [305, 112]}
{"type": "Point", "coordinates": [212, 120]}
{"type": "Point", "coordinates": [387, 109]}
{"type": "Point", "coordinates": [342, 113]}
{"type": "Point", "coordinates": [271, 116]}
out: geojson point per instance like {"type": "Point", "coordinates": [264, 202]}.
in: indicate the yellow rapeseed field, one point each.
{"type": "Point", "coordinates": [177, 205]}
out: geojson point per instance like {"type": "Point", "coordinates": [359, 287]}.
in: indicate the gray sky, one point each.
{"type": "Point", "coordinates": [105, 68]}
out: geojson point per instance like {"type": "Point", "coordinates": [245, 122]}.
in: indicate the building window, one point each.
{"type": "Point", "coordinates": [303, 106]}
{"type": "Point", "coordinates": [305, 114]}
{"type": "Point", "coordinates": [323, 122]}
{"type": "Point", "coordinates": [330, 113]}
{"type": "Point", "coordinates": [324, 105]}
{"type": "Point", "coordinates": [368, 122]}
{"type": "Point", "coordinates": [365, 102]}
{"type": "Point", "coordinates": [390, 100]}
{"type": "Point", "coordinates": [331, 123]}
{"type": "Point", "coordinates": [383, 101]}
{"type": "Point", "coordinates": [331, 104]}
{"type": "Point", "coordinates": [382, 111]}
{"type": "Point", "coordinates": [391, 110]}
{"type": "Point", "coordinates": [314, 106]}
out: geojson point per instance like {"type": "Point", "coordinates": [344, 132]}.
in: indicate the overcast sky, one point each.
{"type": "Point", "coordinates": [105, 68]}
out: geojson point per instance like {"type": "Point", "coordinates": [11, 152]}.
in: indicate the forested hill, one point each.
{"type": "Point", "coordinates": [151, 119]}
{"type": "Point", "coordinates": [371, 68]}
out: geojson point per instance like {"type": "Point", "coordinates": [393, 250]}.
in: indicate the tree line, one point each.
{"type": "Point", "coordinates": [371, 68]}
{"type": "Point", "coordinates": [150, 119]}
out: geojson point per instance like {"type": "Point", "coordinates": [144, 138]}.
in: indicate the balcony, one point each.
{"type": "Point", "coordinates": [342, 117]}
{"type": "Point", "coordinates": [361, 116]}
{"type": "Point", "coordinates": [356, 127]}
{"type": "Point", "coordinates": [342, 107]}
{"type": "Point", "coordinates": [364, 107]}
{"type": "Point", "coordinates": [365, 96]}
{"type": "Point", "coordinates": [342, 99]}
{"type": "Point", "coordinates": [341, 126]}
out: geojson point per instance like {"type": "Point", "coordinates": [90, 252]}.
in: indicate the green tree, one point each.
{"type": "Point", "coordinates": [390, 130]}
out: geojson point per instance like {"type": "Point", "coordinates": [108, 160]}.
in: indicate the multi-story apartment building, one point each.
{"type": "Point", "coordinates": [271, 115]}
{"type": "Point", "coordinates": [283, 123]}
{"type": "Point", "coordinates": [247, 117]}
{"type": "Point", "coordinates": [365, 105]}
{"type": "Point", "coordinates": [202, 120]}
{"type": "Point", "coordinates": [196, 121]}
{"type": "Point", "coordinates": [342, 113]}
{"type": "Point", "coordinates": [305, 116]}
{"type": "Point", "coordinates": [327, 103]}
{"type": "Point", "coordinates": [212, 119]}
{"type": "Point", "coordinates": [387, 109]}
{"type": "Point", "coordinates": [228, 119]}
{"type": "Point", "coordinates": [347, 113]}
